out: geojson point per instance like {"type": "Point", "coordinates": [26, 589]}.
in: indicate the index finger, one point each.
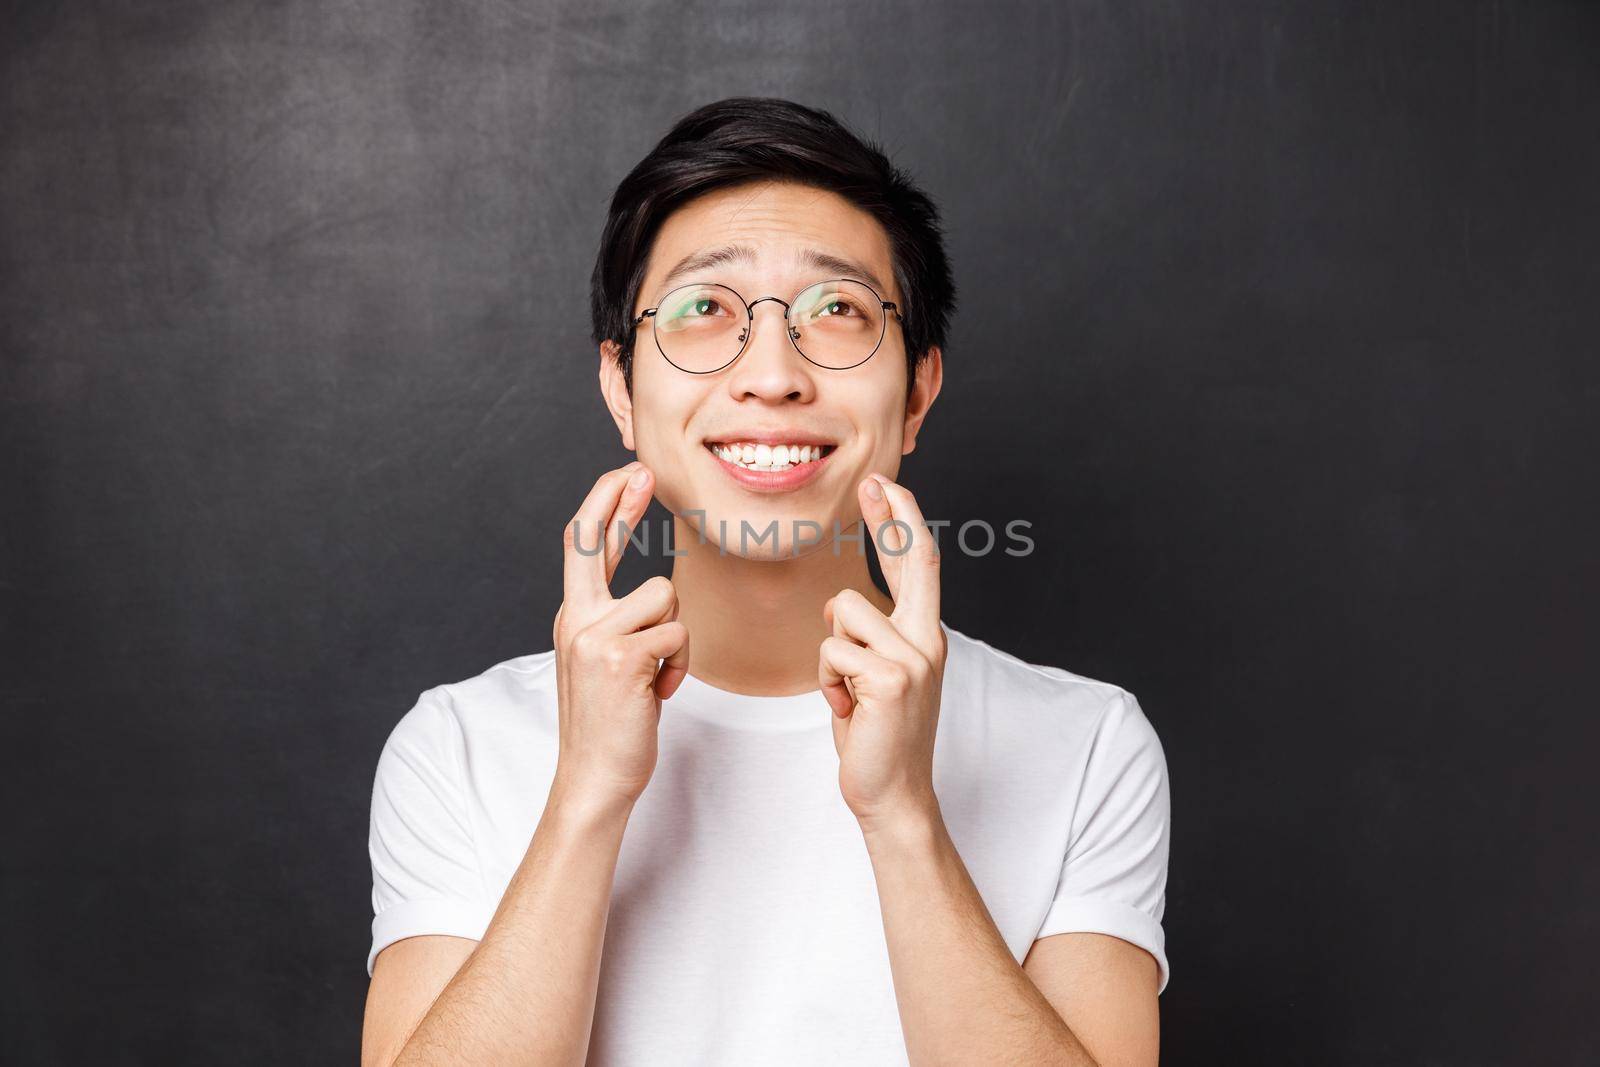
{"type": "Point", "coordinates": [583, 571]}
{"type": "Point", "coordinates": [917, 599]}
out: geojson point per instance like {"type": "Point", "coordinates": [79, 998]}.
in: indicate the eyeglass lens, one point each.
{"type": "Point", "coordinates": [704, 327]}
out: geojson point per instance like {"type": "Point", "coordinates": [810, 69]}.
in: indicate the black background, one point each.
{"type": "Point", "coordinates": [1278, 321]}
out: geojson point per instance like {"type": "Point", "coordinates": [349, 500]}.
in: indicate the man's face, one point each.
{"type": "Point", "coordinates": [687, 427]}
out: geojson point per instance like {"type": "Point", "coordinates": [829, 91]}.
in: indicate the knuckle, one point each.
{"type": "Point", "coordinates": [568, 626]}
{"type": "Point", "coordinates": [656, 592]}
{"type": "Point", "coordinates": [586, 644]}
{"type": "Point", "coordinates": [896, 675]}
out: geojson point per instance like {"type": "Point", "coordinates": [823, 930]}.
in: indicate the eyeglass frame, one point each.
{"type": "Point", "coordinates": [750, 319]}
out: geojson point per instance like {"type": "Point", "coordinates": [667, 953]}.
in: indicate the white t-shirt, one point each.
{"type": "Point", "coordinates": [744, 923]}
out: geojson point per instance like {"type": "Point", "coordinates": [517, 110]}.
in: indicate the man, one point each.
{"type": "Point", "coordinates": [762, 812]}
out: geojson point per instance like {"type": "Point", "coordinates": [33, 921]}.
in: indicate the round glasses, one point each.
{"type": "Point", "coordinates": [703, 327]}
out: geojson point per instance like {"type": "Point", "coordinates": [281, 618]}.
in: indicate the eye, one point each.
{"type": "Point", "coordinates": [703, 306]}
{"type": "Point", "coordinates": [837, 307]}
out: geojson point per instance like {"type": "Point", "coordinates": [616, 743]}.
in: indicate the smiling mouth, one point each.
{"type": "Point", "coordinates": [764, 457]}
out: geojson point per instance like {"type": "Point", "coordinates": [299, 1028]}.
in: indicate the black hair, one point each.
{"type": "Point", "coordinates": [742, 139]}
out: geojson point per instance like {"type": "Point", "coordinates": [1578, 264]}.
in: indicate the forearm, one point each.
{"type": "Point", "coordinates": [963, 998]}
{"type": "Point", "coordinates": [526, 995]}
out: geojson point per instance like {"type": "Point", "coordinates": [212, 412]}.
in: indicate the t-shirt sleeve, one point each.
{"type": "Point", "coordinates": [1114, 876]}
{"type": "Point", "coordinates": [425, 873]}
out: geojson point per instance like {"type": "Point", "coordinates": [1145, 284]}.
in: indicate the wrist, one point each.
{"type": "Point", "coordinates": [916, 821]}
{"type": "Point", "coordinates": [587, 803]}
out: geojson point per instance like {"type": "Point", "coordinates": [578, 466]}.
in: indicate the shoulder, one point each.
{"type": "Point", "coordinates": [511, 693]}
{"type": "Point", "coordinates": [999, 675]}
{"type": "Point", "coordinates": [1044, 701]}
{"type": "Point", "coordinates": [511, 682]}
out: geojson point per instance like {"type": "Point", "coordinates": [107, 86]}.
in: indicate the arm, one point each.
{"type": "Point", "coordinates": [963, 997]}
{"type": "Point", "coordinates": [526, 993]}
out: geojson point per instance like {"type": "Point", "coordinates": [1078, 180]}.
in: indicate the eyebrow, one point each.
{"type": "Point", "coordinates": [810, 257]}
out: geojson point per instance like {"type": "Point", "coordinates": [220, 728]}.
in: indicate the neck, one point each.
{"type": "Point", "coordinates": [755, 625]}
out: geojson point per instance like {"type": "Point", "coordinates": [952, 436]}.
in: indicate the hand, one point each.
{"type": "Point", "coordinates": [610, 680]}
{"type": "Point", "coordinates": [882, 675]}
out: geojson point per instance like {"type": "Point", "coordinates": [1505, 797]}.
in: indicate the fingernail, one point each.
{"type": "Point", "coordinates": [640, 476]}
{"type": "Point", "coordinates": [874, 490]}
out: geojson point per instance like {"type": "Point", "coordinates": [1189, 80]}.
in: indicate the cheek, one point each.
{"type": "Point", "coordinates": [660, 417]}
{"type": "Point", "coordinates": [653, 448]}
{"type": "Point", "coordinates": [883, 415]}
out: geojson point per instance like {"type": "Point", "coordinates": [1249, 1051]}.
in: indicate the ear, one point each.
{"type": "Point", "coordinates": [615, 391]}
{"type": "Point", "coordinates": [924, 388]}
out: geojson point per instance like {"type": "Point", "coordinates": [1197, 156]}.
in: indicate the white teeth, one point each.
{"type": "Point", "coordinates": [763, 457]}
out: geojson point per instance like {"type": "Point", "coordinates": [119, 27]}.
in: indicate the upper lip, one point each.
{"type": "Point", "coordinates": [769, 437]}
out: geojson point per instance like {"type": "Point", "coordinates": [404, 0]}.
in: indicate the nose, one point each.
{"type": "Point", "coordinates": [771, 368]}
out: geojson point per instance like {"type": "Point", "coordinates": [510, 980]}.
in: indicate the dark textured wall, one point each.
{"type": "Point", "coordinates": [1278, 320]}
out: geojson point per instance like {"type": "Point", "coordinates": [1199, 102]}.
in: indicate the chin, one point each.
{"type": "Point", "coordinates": [762, 532]}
